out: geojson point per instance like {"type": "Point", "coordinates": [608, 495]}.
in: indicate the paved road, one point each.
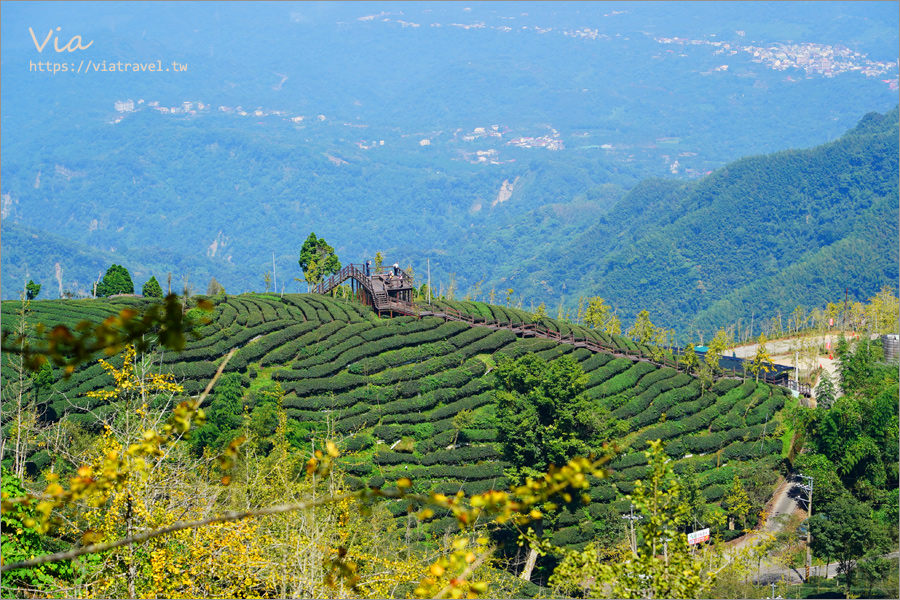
{"type": "Point", "coordinates": [782, 351]}
{"type": "Point", "coordinates": [775, 574]}
{"type": "Point", "coordinates": [784, 504]}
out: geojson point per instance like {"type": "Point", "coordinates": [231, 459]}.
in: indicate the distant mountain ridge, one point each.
{"type": "Point", "coordinates": [762, 234]}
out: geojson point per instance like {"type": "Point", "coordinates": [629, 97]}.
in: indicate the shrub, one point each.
{"type": "Point", "coordinates": [609, 370]}
{"type": "Point", "coordinates": [658, 375]}
{"type": "Point", "coordinates": [703, 444]}
{"type": "Point", "coordinates": [631, 459]}
{"type": "Point", "coordinates": [569, 536]}
{"type": "Point", "coordinates": [358, 442]}
{"type": "Point", "coordinates": [388, 457]}
{"type": "Point", "coordinates": [714, 492]}
{"type": "Point", "coordinates": [460, 455]}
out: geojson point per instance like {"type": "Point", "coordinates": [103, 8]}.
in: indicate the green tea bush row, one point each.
{"type": "Point", "coordinates": [701, 464]}
{"type": "Point", "coordinates": [230, 339]}
{"type": "Point", "coordinates": [401, 356]}
{"type": "Point", "coordinates": [415, 371]}
{"type": "Point", "coordinates": [441, 439]}
{"type": "Point", "coordinates": [318, 402]}
{"type": "Point", "coordinates": [468, 403]}
{"type": "Point", "coordinates": [198, 369]}
{"type": "Point", "coordinates": [371, 359]}
{"type": "Point", "coordinates": [474, 488]}
{"type": "Point", "coordinates": [266, 310]}
{"type": "Point", "coordinates": [382, 345]}
{"type": "Point", "coordinates": [715, 492]}
{"type": "Point", "coordinates": [679, 411]}
{"type": "Point", "coordinates": [337, 312]}
{"type": "Point", "coordinates": [477, 472]}
{"type": "Point", "coordinates": [768, 408]}
{"type": "Point", "coordinates": [679, 390]}
{"type": "Point", "coordinates": [261, 347]}
{"type": "Point", "coordinates": [308, 312]}
{"type": "Point", "coordinates": [459, 456]}
{"type": "Point", "coordinates": [388, 457]}
{"type": "Point", "coordinates": [329, 348]}
{"type": "Point", "coordinates": [522, 347]}
{"type": "Point", "coordinates": [607, 371]}
{"type": "Point", "coordinates": [452, 378]}
{"type": "Point", "coordinates": [336, 383]}
{"type": "Point", "coordinates": [402, 326]}
{"type": "Point", "coordinates": [704, 443]}
{"type": "Point", "coordinates": [636, 406]}
{"type": "Point", "coordinates": [632, 473]}
{"type": "Point", "coordinates": [751, 449]}
{"type": "Point", "coordinates": [626, 380]}
{"type": "Point", "coordinates": [355, 422]}
{"type": "Point", "coordinates": [735, 416]}
{"type": "Point", "coordinates": [604, 493]}
{"type": "Point", "coordinates": [634, 458]}
{"type": "Point", "coordinates": [290, 349]}
{"type": "Point", "coordinates": [243, 313]}
{"type": "Point", "coordinates": [719, 475]}
{"type": "Point", "coordinates": [551, 354]}
{"type": "Point", "coordinates": [360, 441]}
{"type": "Point", "coordinates": [724, 386]}
{"type": "Point", "coordinates": [446, 396]}
{"type": "Point", "coordinates": [570, 536]}
{"type": "Point", "coordinates": [652, 378]}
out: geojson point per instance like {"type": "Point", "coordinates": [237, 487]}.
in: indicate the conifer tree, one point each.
{"type": "Point", "coordinates": [152, 289]}
{"type": "Point", "coordinates": [117, 280]}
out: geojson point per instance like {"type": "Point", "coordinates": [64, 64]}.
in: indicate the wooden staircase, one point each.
{"type": "Point", "coordinates": [381, 300]}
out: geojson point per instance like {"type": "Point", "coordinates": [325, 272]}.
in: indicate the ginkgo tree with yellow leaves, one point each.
{"type": "Point", "coordinates": [762, 360]}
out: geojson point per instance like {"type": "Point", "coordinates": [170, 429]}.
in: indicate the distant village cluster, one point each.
{"type": "Point", "coordinates": [818, 59]}
{"type": "Point", "coordinates": [499, 134]}
{"type": "Point", "coordinates": [814, 59]}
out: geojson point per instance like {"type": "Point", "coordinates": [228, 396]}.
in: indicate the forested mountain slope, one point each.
{"type": "Point", "coordinates": [762, 234]}
{"type": "Point", "coordinates": [391, 391]}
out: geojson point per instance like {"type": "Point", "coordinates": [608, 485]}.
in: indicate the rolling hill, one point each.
{"type": "Point", "coordinates": [389, 390]}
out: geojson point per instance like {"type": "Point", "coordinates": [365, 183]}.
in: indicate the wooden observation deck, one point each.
{"type": "Point", "coordinates": [385, 289]}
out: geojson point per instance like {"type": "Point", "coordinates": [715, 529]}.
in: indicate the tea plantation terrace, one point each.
{"type": "Point", "coordinates": [388, 389]}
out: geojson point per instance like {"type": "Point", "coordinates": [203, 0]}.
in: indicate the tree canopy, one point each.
{"type": "Point", "coordinates": [317, 259]}
{"type": "Point", "coordinates": [538, 410]}
{"type": "Point", "coordinates": [152, 289]}
{"type": "Point", "coordinates": [116, 281]}
{"type": "Point", "coordinates": [32, 290]}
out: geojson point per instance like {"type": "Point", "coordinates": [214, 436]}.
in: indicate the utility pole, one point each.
{"type": "Point", "coordinates": [274, 276]}
{"type": "Point", "coordinates": [844, 314]}
{"type": "Point", "coordinates": [429, 280]}
{"type": "Point", "coordinates": [809, 490]}
{"type": "Point", "coordinates": [632, 518]}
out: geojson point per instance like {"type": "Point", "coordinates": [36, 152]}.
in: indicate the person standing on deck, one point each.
{"type": "Point", "coordinates": [368, 266]}
{"type": "Point", "coordinates": [396, 269]}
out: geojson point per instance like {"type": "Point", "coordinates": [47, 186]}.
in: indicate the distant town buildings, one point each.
{"type": "Point", "coordinates": [813, 59]}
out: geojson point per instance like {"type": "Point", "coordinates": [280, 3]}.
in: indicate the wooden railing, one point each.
{"type": "Point", "coordinates": [524, 329]}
